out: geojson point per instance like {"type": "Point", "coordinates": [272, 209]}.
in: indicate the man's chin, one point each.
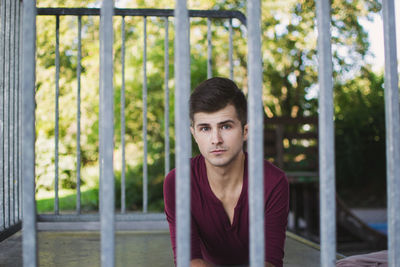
{"type": "Point", "coordinates": [218, 162]}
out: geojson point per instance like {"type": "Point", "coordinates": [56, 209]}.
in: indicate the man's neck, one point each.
{"type": "Point", "coordinates": [227, 177]}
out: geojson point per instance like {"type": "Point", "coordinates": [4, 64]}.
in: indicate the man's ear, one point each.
{"type": "Point", "coordinates": [192, 130]}
{"type": "Point", "coordinates": [245, 132]}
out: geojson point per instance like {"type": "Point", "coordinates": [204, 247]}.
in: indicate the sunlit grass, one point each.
{"type": "Point", "coordinates": [67, 200]}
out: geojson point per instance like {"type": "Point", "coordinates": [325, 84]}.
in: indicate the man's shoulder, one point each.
{"type": "Point", "coordinates": [195, 163]}
{"type": "Point", "coordinates": [272, 173]}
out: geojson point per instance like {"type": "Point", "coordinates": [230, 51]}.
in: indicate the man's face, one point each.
{"type": "Point", "coordinates": [219, 135]}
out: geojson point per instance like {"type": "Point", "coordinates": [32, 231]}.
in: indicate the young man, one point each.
{"type": "Point", "coordinates": [219, 183]}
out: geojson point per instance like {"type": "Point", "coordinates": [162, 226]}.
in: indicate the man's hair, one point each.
{"type": "Point", "coordinates": [215, 94]}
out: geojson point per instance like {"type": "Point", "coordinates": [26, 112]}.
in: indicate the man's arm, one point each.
{"type": "Point", "coordinates": [276, 213]}
{"type": "Point", "coordinates": [169, 204]}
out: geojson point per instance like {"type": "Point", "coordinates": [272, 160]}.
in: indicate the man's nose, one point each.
{"type": "Point", "coordinates": [216, 137]}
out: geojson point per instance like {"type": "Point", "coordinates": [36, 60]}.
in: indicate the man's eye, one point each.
{"type": "Point", "coordinates": [204, 129]}
{"type": "Point", "coordinates": [226, 127]}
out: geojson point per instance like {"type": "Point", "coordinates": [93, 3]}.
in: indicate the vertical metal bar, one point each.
{"type": "Point", "coordinates": [209, 49]}
{"type": "Point", "coordinates": [78, 119]}
{"type": "Point", "coordinates": [56, 131]}
{"type": "Point", "coordinates": [326, 137]}
{"type": "Point", "coordinates": [29, 238]}
{"type": "Point", "coordinates": [230, 50]}
{"type": "Point", "coordinates": [392, 115]}
{"type": "Point", "coordinates": [16, 109]}
{"type": "Point", "coordinates": [107, 200]}
{"type": "Point", "coordinates": [2, 83]}
{"type": "Point", "coordinates": [256, 166]}
{"type": "Point", "coordinates": [183, 141]}
{"type": "Point", "coordinates": [11, 114]}
{"type": "Point", "coordinates": [166, 99]}
{"type": "Point", "coordinates": [20, 89]}
{"type": "Point", "coordinates": [144, 115]}
{"type": "Point", "coordinates": [123, 188]}
{"type": "Point", "coordinates": [7, 118]}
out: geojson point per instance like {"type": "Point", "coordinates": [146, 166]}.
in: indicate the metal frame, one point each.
{"type": "Point", "coordinates": [327, 173]}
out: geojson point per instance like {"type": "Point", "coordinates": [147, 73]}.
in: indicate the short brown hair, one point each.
{"type": "Point", "coordinates": [215, 94]}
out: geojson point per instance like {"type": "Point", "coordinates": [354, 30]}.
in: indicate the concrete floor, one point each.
{"type": "Point", "coordinates": [133, 248]}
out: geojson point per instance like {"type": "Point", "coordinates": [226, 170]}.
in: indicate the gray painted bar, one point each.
{"type": "Point", "coordinates": [326, 137]}
{"type": "Point", "coordinates": [56, 130]}
{"type": "Point", "coordinates": [78, 119]}
{"type": "Point", "coordinates": [145, 172]}
{"type": "Point", "coordinates": [2, 81]}
{"type": "Point", "coordinates": [123, 188]}
{"type": "Point", "coordinates": [29, 238]}
{"type": "Point", "coordinates": [230, 50]}
{"type": "Point", "coordinates": [6, 118]}
{"type": "Point", "coordinates": [11, 113]}
{"type": "Point", "coordinates": [221, 14]}
{"type": "Point", "coordinates": [209, 49]}
{"type": "Point", "coordinates": [16, 110]}
{"type": "Point", "coordinates": [255, 120]}
{"type": "Point", "coordinates": [166, 99]}
{"type": "Point", "coordinates": [20, 66]}
{"type": "Point", "coordinates": [107, 199]}
{"type": "Point", "coordinates": [392, 132]}
{"type": "Point", "coordinates": [183, 141]}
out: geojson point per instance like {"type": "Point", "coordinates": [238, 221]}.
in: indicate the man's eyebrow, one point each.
{"type": "Point", "coordinates": [202, 124]}
{"type": "Point", "coordinates": [225, 122]}
{"type": "Point", "coordinates": [219, 123]}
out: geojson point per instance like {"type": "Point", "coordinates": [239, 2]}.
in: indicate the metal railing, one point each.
{"type": "Point", "coordinates": [10, 189]}
{"type": "Point", "coordinates": [106, 126]}
{"type": "Point", "coordinates": [10, 118]}
{"type": "Point", "coordinates": [145, 13]}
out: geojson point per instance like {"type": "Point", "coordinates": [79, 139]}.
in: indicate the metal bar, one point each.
{"type": "Point", "coordinates": [107, 194]}
{"type": "Point", "coordinates": [29, 238]}
{"type": "Point", "coordinates": [56, 130]}
{"type": "Point", "coordinates": [145, 174]}
{"type": "Point", "coordinates": [123, 188]}
{"type": "Point", "coordinates": [78, 119]}
{"type": "Point", "coordinates": [7, 117]}
{"type": "Point", "coordinates": [221, 14]}
{"type": "Point", "coordinates": [96, 217]}
{"type": "Point", "coordinates": [16, 115]}
{"type": "Point", "coordinates": [326, 137]}
{"type": "Point", "coordinates": [256, 166]}
{"type": "Point", "coordinates": [14, 108]}
{"type": "Point", "coordinates": [11, 112]}
{"type": "Point", "coordinates": [183, 141]}
{"type": "Point", "coordinates": [230, 49]}
{"type": "Point", "coordinates": [2, 83]}
{"type": "Point", "coordinates": [166, 99]}
{"type": "Point", "coordinates": [392, 115]}
{"type": "Point", "coordinates": [20, 21]}
{"type": "Point", "coordinates": [209, 49]}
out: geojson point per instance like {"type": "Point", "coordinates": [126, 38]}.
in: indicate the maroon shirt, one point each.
{"type": "Point", "coordinates": [213, 238]}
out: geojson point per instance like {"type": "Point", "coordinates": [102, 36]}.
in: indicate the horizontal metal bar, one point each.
{"type": "Point", "coordinates": [139, 226]}
{"type": "Point", "coordinates": [96, 217]}
{"type": "Point", "coordinates": [142, 12]}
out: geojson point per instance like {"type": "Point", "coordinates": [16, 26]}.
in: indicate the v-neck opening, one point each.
{"type": "Point", "coordinates": [218, 202]}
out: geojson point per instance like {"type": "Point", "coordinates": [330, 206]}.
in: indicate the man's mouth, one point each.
{"type": "Point", "coordinates": [217, 151]}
